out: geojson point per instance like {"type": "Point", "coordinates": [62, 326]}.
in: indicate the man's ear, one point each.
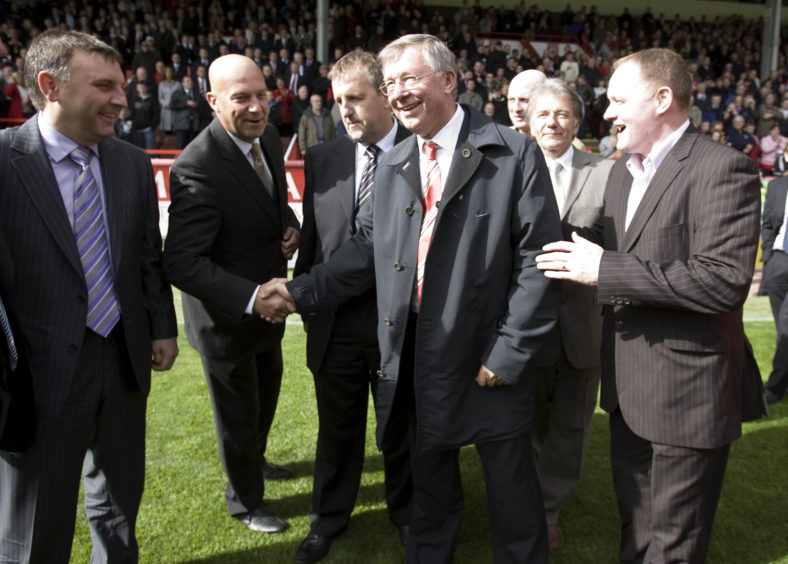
{"type": "Point", "coordinates": [48, 86]}
{"type": "Point", "coordinates": [664, 97]}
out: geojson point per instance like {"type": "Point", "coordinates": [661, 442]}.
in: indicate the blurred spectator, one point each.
{"type": "Point", "coordinates": [772, 145]}
{"type": "Point", "coordinates": [274, 111]}
{"type": "Point", "coordinates": [19, 80]}
{"type": "Point", "coordinates": [470, 96]}
{"type": "Point", "coordinates": [316, 125]}
{"type": "Point", "coordinates": [145, 115]}
{"type": "Point", "coordinates": [768, 116]}
{"type": "Point", "coordinates": [285, 97]}
{"type": "Point", "coordinates": [300, 105]}
{"type": "Point", "coordinates": [124, 127]}
{"type": "Point", "coordinates": [185, 120]}
{"type": "Point", "coordinates": [166, 88]}
{"type": "Point", "coordinates": [607, 145]}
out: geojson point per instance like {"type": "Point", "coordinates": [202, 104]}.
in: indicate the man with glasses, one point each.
{"type": "Point", "coordinates": [461, 327]}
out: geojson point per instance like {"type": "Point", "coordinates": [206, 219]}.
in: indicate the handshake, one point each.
{"type": "Point", "coordinates": [273, 302]}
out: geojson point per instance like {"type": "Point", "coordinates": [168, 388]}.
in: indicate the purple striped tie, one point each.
{"type": "Point", "coordinates": [9, 337]}
{"type": "Point", "coordinates": [368, 176]}
{"type": "Point", "coordinates": [103, 308]}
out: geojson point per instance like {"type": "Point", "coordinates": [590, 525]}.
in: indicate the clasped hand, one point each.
{"type": "Point", "coordinates": [273, 302]}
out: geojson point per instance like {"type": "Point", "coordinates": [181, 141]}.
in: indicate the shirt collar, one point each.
{"type": "Point", "coordinates": [447, 137]}
{"type": "Point", "coordinates": [244, 146]}
{"type": "Point", "coordinates": [57, 145]}
{"type": "Point", "coordinates": [637, 164]}
{"type": "Point", "coordinates": [565, 159]}
{"type": "Point", "coordinates": [385, 144]}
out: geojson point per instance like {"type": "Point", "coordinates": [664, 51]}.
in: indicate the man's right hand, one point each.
{"type": "Point", "coordinates": [273, 302]}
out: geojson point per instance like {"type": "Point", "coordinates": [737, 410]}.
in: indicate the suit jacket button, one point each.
{"type": "Point", "coordinates": [80, 299]}
{"type": "Point", "coordinates": [387, 322]}
{"type": "Point", "coordinates": [612, 299]}
{"type": "Point", "coordinates": [619, 325]}
{"type": "Point", "coordinates": [409, 210]}
{"type": "Point", "coordinates": [627, 301]}
{"type": "Point", "coordinates": [73, 348]}
{"type": "Point", "coordinates": [380, 374]}
{"type": "Point", "coordinates": [619, 301]}
{"type": "Point", "coordinates": [397, 266]}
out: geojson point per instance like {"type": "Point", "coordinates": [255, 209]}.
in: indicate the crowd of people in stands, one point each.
{"type": "Point", "coordinates": [168, 45]}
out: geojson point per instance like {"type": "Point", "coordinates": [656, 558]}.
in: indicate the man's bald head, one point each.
{"type": "Point", "coordinates": [519, 92]}
{"type": "Point", "coordinates": [238, 96]}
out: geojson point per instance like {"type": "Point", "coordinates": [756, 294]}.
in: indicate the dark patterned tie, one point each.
{"type": "Point", "coordinates": [9, 336]}
{"type": "Point", "coordinates": [261, 169]}
{"type": "Point", "coordinates": [91, 237]}
{"type": "Point", "coordinates": [368, 176]}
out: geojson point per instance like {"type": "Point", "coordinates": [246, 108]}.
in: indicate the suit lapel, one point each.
{"type": "Point", "coordinates": [580, 173]}
{"type": "Point", "coordinates": [114, 176]}
{"type": "Point", "coordinates": [475, 134]}
{"type": "Point", "coordinates": [243, 173]}
{"type": "Point", "coordinates": [666, 173]}
{"type": "Point", "coordinates": [616, 196]}
{"type": "Point", "coordinates": [35, 173]}
{"type": "Point", "coordinates": [345, 164]}
{"type": "Point", "coordinates": [405, 160]}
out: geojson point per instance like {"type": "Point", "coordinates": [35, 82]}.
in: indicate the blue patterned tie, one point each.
{"type": "Point", "coordinates": [368, 176]}
{"type": "Point", "coordinates": [91, 237]}
{"type": "Point", "coordinates": [9, 337]}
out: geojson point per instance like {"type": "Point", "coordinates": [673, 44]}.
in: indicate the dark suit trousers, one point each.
{"type": "Point", "coordinates": [244, 394]}
{"type": "Point", "coordinates": [776, 278]}
{"type": "Point", "coordinates": [565, 398]}
{"type": "Point", "coordinates": [101, 425]}
{"type": "Point", "coordinates": [518, 528]}
{"type": "Point", "coordinates": [342, 390]}
{"type": "Point", "coordinates": [667, 496]}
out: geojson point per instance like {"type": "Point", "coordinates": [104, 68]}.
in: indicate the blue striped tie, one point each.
{"type": "Point", "coordinates": [91, 237]}
{"type": "Point", "coordinates": [9, 337]}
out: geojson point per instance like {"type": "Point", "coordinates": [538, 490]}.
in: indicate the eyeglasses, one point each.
{"type": "Point", "coordinates": [405, 82]}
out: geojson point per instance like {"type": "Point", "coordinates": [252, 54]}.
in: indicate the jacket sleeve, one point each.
{"type": "Point", "coordinates": [533, 299]}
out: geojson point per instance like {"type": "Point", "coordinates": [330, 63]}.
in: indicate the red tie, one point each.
{"type": "Point", "coordinates": [432, 195]}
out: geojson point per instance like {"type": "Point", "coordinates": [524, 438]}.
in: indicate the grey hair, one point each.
{"type": "Point", "coordinates": [436, 53]}
{"type": "Point", "coordinates": [560, 89]}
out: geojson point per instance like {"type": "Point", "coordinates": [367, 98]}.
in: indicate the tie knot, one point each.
{"type": "Point", "coordinates": [430, 149]}
{"type": "Point", "coordinates": [80, 155]}
{"type": "Point", "coordinates": [372, 152]}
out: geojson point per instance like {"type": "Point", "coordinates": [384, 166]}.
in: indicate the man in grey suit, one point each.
{"type": "Point", "coordinates": [342, 347]}
{"type": "Point", "coordinates": [566, 390]}
{"type": "Point", "coordinates": [461, 210]}
{"type": "Point", "coordinates": [79, 221]}
{"type": "Point", "coordinates": [671, 259]}
{"type": "Point", "coordinates": [231, 229]}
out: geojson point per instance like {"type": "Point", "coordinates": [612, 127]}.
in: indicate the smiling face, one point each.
{"type": "Point", "coordinates": [553, 124]}
{"type": "Point", "coordinates": [238, 96]}
{"type": "Point", "coordinates": [632, 109]}
{"type": "Point", "coordinates": [429, 105]}
{"type": "Point", "coordinates": [84, 107]}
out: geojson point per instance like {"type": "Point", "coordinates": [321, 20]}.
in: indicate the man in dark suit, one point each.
{"type": "Point", "coordinates": [460, 328]}
{"type": "Point", "coordinates": [230, 229]}
{"type": "Point", "coordinates": [79, 223]}
{"type": "Point", "coordinates": [775, 281]}
{"type": "Point", "coordinates": [185, 118]}
{"type": "Point", "coordinates": [678, 237]}
{"type": "Point", "coordinates": [566, 391]}
{"type": "Point", "coordinates": [342, 348]}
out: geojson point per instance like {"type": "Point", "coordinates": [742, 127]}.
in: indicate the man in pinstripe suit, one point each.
{"type": "Point", "coordinates": [81, 255]}
{"type": "Point", "coordinates": [678, 237]}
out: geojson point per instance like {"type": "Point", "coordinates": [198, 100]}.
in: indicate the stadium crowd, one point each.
{"type": "Point", "coordinates": [169, 44]}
